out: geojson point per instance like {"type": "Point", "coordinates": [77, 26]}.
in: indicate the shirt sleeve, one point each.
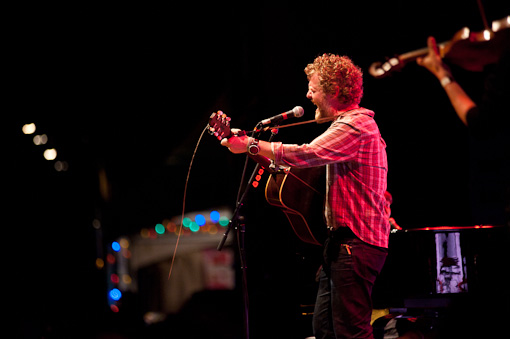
{"type": "Point", "coordinates": [339, 143]}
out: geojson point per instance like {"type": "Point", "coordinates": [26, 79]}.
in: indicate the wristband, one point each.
{"type": "Point", "coordinates": [446, 80]}
{"type": "Point", "coordinates": [253, 146]}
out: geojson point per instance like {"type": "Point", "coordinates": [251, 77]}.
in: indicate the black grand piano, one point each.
{"type": "Point", "coordinates": [453, 278]}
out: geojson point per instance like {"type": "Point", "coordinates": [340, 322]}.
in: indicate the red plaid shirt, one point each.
{"type": "Point", "coordinates": [354, 154]}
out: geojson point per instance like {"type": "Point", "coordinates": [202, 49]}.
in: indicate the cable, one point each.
{"type": "Point", "coordinates": [184, 200]}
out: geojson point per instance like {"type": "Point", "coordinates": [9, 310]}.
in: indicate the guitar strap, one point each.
{"type": "Point", "coordinates": [327, 208]}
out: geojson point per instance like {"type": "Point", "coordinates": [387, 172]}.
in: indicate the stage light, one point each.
{"type": "Point", "coordinates": [99, 263]}
{"type": "Point", "coordinates": [499, 24]}
{"type": "Point", "coordinates": [96, 223]}
{"type": "Point", "coordinates": [186, 222]}
{"type": "Point", "coordinates": [171, 227]}
{"type": "Point", "coordinates": [487, 35]}
{"type": "Point", "coordinates": [124, 243]}
{"type": "Point", "coordinates": [61, 166]}
{"type": "Point", "coordinates": [144, 233]}
{"type": "Point", "coordinates": [126, 254]}
{"type": "Point", "coordinates": [114, 278]}
{"type": "Point", "coordinates": [215, 216]}
{"type": "Point", "coordinates": [194, 227]}
{"type": "Point", "coordinates": [40, 139]}
{"type": "Point", "coordinates": [200, 220]}
{"type": "Point", "coordinates": [28, 128]}
{"type": "Point", "coordinates": [50, 154]}
{"type": "Point", "coordinates": [160, 229]}
{"type": "Point", "coordinates": [224, 221]}
{"type": "Point", "coordinates": [115, 246]}
{"type": "Point", "coordinates": [110, 258]}
{"type": "Point", "coordinates": [115, 294]}
{"type": "Point", "coordinates": [126, 279]}
{"type": "Point", "coordinates": [465, 33]}
{"type": "Point", "coordinates": [213, 229]}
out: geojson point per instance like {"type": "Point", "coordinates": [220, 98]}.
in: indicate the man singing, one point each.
{"type": "Point", "coordinates": [354, 154]}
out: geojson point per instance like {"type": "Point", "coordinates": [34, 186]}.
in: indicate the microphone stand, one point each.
{"type": "Point", "coordinates": [238, 223]}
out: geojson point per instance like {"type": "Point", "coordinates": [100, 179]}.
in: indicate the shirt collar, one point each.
{"type": "Point", "coordinates": [359, 110]}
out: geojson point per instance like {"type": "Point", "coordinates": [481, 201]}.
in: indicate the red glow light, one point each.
{"type": "Point", "coordinates": [453, 228]}
{"type": "Point", "coordinates": [114, 278]}
{"type": "Point", "coordinates": [110, 258]}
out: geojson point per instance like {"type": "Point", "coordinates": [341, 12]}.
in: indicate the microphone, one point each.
{"type": "Point", "coordinates": [296, 112]}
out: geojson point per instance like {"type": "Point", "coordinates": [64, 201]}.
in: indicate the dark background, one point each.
{"type": "Point", "coordinates": [128, 88]}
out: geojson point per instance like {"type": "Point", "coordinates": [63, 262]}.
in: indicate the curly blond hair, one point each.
{"type": "Point", "coordinates": [338, 73]}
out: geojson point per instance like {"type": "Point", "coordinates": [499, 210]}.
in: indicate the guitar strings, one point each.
{"type": "Point", "coordinates": [184, 201]}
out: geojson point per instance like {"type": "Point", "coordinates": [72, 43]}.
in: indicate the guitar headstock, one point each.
{"type": "Point", "coordinates": [219, 125]}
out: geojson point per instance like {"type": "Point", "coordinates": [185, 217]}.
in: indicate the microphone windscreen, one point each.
{"type": "Point", "coordinates": [298, 111]}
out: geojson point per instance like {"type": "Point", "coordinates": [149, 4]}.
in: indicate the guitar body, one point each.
{"type": "Point", "coordinates": [299, 193]}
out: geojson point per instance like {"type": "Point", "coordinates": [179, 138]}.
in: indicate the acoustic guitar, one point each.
{"type": "Point", "coordinates": [295, 191]}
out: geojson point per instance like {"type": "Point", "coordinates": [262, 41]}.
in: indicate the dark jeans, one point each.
{"type": "Point", "coordinates": [344, 304]}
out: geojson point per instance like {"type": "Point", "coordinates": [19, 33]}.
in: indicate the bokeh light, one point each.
{"type": "Point", "coordinates": [194, 227]}
{"type": "Point", "coordinates": [224, 221]}
{"type": "Point", "coordinates": [115, 294]}
{"type": "Point", "coordinates": [215, 216]}
{"type": "Point", "coordinates": [50, 154]}
{"type": "Point", "coordinates": [200, 220]}
{"type": "Point", "coordinates": [115, 246]}
{"type": "Point", "coordinates": [28, 128]}
{"type": "Point", "coordinates": [186, 222]}
{"type": "Point", "coordinates": [159, 228]}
